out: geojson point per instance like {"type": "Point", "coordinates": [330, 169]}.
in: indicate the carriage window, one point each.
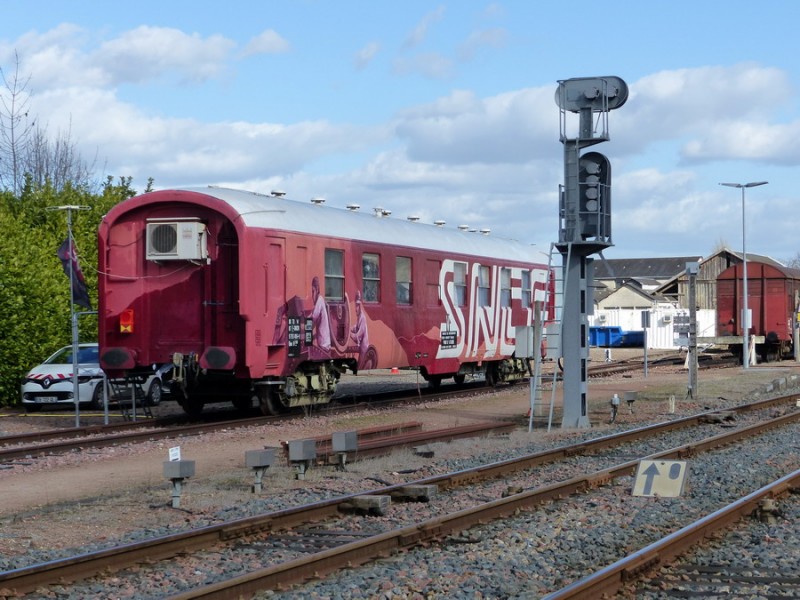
{"type": "Point", "coordinates": [460, 281]}
{"type": "Point", "coordinates": [483, 286]}
{"type": "Point", "coordinates": [403, 279]}
{"type": "Point", "coordinates": [371, 277]}
{"type": "Point", "coordinates": [505, 287]}
{"type": "Point", "coordinates": [432, 293]}
{"type": "Point", "coordinates": [334, 274]}
{"type": "Point", "coordinates": [526, 288]}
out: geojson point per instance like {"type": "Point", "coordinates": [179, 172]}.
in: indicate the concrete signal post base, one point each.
{"type": "Point", "coordinates": [176, 471]}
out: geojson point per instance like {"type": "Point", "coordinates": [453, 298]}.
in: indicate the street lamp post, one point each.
{"type": "Point", "coordinates": [745, 311]}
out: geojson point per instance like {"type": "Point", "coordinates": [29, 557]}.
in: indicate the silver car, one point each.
{"type": "Point", "coordinates": [51, 382]}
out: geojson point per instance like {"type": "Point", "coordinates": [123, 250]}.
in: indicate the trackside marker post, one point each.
{"type": "Point", "coordinates": [259, 461]}
{"type": "Point", "coordinates": [176, 470]}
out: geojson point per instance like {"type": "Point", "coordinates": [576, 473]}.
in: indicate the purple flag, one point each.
{"type": "Point", "coordinates": [68, 256]}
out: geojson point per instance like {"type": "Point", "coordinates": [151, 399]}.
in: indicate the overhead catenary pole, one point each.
{"type": "Point", "coordinates": [745, 311]}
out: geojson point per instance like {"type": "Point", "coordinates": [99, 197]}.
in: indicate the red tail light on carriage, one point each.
{"type": "Point", "coordinates": [126, 321]}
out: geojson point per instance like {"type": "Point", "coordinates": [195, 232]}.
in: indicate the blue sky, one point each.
{"type": "Point", "coordinates": [441, 110]}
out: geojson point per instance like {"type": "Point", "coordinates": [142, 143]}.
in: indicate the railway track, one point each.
{"type": "Point", "coordinates": [283, 534]}
{"type": "Point", "coordinates": [61, 440]}
{"type": "Point", "coordinates": [655, 568]}
{"type": "Point", "coordinates": [58, 441]}
{"type": "Point", "coordinates": [704, 361]}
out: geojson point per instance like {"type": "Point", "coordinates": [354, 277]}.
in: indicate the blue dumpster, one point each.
{"type": "Point", "coordinates": [612, 336]}
{"type": "Point", "coordinates": [605, 336]}
{"type": "Point", "coordinates": [632, 339]}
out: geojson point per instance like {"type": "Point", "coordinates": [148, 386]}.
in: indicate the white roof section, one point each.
{"type": "Point", "coordinates": [271, 212]}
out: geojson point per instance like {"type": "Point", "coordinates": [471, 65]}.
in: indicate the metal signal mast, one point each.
{"type": "Point", "coordinates": [584, 222]}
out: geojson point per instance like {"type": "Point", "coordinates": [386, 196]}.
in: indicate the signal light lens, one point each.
{"type": "Point", "coordinates": [126, 321]}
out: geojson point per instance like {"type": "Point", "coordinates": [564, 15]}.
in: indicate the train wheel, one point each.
{"type": "Point", "coordinates": [192, 407]}
{"type": "Point", "coordinates": [270, 403]}
{"type": "Point", "coordinates": [736, 350]}
{"type": "Point", "coordinates": [460, 378]}
{"type": "Point", "coordinates": [491, 375]}
{"type": "Point", "coordinates": [434, 381]}
{"type": "Point", "coordinates": [244, 403]}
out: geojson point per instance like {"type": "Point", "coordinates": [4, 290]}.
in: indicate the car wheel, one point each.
{"type": "Point", "coordinates": [33, 408]}
{"type": "Point", "coordinates": [97, 396]}
{"type": "Point", "coordinates": [154, 393]}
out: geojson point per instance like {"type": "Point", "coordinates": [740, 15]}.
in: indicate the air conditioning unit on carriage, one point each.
{"type": "Point", "coordinates": [176, 239]}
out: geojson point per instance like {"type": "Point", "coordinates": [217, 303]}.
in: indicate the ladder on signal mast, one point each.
{"type": "Point", "coordinates": [539, 407]}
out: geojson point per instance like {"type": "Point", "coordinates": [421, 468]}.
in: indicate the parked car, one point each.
{"type": "Point", "coordinates": [51, 382]}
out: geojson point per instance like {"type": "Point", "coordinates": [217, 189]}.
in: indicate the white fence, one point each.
{"type": "Point", "coordinates": [667, 324]}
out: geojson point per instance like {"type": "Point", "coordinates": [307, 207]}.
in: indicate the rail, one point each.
{"type": "Point", "coordinates": [609, 580]}
{"type": "Point", "coordinates": [70, 569]}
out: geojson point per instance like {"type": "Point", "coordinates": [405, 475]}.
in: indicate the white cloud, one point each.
{"type": "Point", "coordinates": [747, 140]}
{"type": "Point", "coordinates": [267, 42]}
{"type": "Point", "coordinates": [429, 64]}
{"type": "Point", "coordinates": [493, 161]}
{"type": "Point", "coordinates": [493, 38]}
{"type": "Point", "coordinates": [417, 35]}
{"type": "Point", "coordinates": [146, 53]}
{"type": "Point", "coordinates": [700, 104]}
{"type": "Point", "coordinates": [663, 198]}
{"type": "Point", "coordinates": [53, 59]}
{"type": "Point", "coordinates": [514, 201]}
{"type": "Point", "coordinates": [62, 57]}
{"type": "Point", "coordinates": [462, 128]}
{"type": "Point", "coordinates": [365, 55]}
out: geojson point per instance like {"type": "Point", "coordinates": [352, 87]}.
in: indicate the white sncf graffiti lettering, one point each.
{"type": "Point", "coordinates": [479, 301]}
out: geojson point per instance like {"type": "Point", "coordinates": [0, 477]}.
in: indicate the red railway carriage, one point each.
{"type": "Point", "coordinates": [270, 300]}
{"type": "Point", "coordinates": [773, 293]}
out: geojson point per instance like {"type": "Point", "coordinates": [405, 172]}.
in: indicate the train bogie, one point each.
{"type": "Point", "coordinates": [272, 300]}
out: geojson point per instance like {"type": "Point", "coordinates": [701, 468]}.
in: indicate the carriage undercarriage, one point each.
{"type": "Point", "coordinates": [312, 384]}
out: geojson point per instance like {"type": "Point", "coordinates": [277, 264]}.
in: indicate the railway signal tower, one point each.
{"type": "Point", "coordinates": [584, 222]}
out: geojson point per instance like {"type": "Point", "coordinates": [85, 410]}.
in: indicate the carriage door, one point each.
{"type": "Point", "coordinates": [223, 325]}
{"type": "Point", "coordinates": [177, 311]}
{"type": "Point", "coordinates": [275, 293]}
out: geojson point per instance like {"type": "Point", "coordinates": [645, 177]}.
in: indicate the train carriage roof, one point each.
{"type": "Point", "coordinates": [767, 270]}
{"type": "Point", "coordinates": [271, 212]}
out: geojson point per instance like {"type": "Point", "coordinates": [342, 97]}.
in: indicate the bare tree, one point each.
{"type": "Point", "coordinates": [15, 127]}
{"type": "Point", "coordinates": [55, 161]}
{"type": "Point", "coordinates": [793, 262]}
{"type": "Point", "coordinates": [28, 155]}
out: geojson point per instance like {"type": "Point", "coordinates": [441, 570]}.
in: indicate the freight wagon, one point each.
{"type": "Point", "coordinates": [773, 294]}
